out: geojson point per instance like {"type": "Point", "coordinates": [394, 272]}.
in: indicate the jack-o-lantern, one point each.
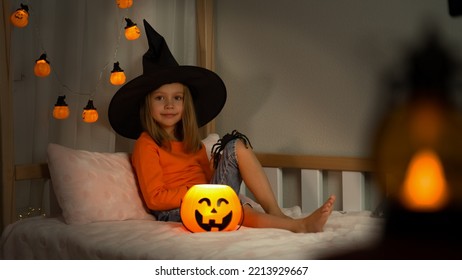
{"type": "Point", "coordinates": [90, 115]}
{"type": "Point", "coordinates": [124, 4]}
{"type": "Point", "coordinates": [211, 207]}
{"type": "Point", "coordinates": [132, 32]}
{"type": "Point", "coordinates": [20, 17]}
{"type": "Point", "coordinates": [117, 75]}
{"type": "Point", "coordinates": [42, 66]}
{"type": "Point", "coordinates": [61, 109]}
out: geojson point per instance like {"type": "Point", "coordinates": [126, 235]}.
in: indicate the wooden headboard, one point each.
{"type": "Point", "coordinates": [40, 170]}
{"type": "Point", "coordinates": [353, 190]}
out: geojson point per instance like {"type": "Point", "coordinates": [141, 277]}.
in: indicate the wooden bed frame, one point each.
{"type": "Point", "coordinates": [300, 183]}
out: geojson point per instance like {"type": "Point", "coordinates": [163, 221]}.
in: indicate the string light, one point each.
{"type": "Point", "coordinates": [132, 32]}
{"type": "Point", "coordinates": [42, 66]}
{"type": "Point", "coordinates": [124, 4]}
{"type": "Point", "coordinates": [20, 17]}
{"type": "Point", "coordinates": [89, 114]}
{"type": "Point", "coordinates": [61, 109]}
{"type": "Point", "coordinates": [117, 75]}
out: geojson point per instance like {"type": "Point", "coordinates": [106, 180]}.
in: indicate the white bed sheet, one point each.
{"type": "Point", "coordinates": [51, 238]}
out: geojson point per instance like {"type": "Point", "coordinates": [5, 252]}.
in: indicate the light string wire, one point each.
{"type": "Point", "coordinates": [56, 76]}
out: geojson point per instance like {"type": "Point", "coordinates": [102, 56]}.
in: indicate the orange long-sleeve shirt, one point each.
{"type": "Point", "coordinates": [165, 176]}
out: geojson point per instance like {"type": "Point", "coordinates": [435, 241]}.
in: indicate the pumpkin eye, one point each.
{"type": "Point", "coordinates": [222, 200]}
{"type": "Point", "coordinates": [206, 200]}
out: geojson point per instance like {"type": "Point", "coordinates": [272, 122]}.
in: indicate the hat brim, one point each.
{"type": "Point", "coordinates": [207, 89]}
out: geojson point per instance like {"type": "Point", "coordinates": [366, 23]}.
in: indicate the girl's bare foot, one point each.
{"type": "Point", "coordinates": [315, 221]}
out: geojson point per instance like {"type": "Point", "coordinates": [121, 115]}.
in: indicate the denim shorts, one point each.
{"type": "Point", "coordinates": [226, 173]}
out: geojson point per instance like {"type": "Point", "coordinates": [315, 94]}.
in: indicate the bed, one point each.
{"type": "Point", "coordinates": [97, 213]}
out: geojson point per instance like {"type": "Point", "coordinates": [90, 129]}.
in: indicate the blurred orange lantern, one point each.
{"type": "Point", "coordinates": [117, 75]}
{"type": "Point", "coordinates": [132, 32]}
{"type": "Point", "coordinates": [90, 115]}
{"type": "Point", "coordinates": [123, 4]}
{"type": "Point", "coordinates": [211, 207]}
{"type": "Point", "coordinates": [20, 17]}
{"type": "Point", "coordinates": [418, 148]}
{"type": "Point", "coordinates": [42, 66]}
{"type": "Point", "coordinates": [61, 109]}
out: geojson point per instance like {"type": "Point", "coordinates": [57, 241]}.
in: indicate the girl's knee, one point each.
{"type": "Point", "coordinates": [240, 145]}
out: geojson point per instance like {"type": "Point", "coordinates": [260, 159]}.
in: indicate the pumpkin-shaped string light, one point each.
{"type": "Point", "coordinates": [42, 66]}
{"type": "Point", "coordinates": [61, 109]}
{"type": "Point", "coordinates": [20, 17]}
{"type": "Point", "coordinates": [117, 75]}
{"type": "Point", "coordinates": [124, 4]}
{"type": "Point", "coordinates": [132, 32]}
{"type": "Point", "coordinates": [89, 114]}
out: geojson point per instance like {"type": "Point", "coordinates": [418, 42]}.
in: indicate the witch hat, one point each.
{"type": "Point", "coordinates": [160, 67]}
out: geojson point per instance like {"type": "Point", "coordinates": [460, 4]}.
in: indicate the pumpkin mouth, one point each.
{"type": "Point", "coordinates": [212, 224]}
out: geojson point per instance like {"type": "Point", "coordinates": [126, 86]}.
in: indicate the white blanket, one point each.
{"type": "Point", "coordinates": [51, 238]}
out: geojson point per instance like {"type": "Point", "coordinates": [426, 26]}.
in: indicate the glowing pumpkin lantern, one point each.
{"type": "Point", "coordinates": [90, 115]}
{"type": "Point", "coordinates": [132, 32]}
{"type": "Point", "coordinates": [117, 75]}
{"type": "Point", "coordinates": [42, 66]}
{"type": "Point", "coordinates": [20, 17]}
{"type": "Point", "coordinates": [211, 207]}
{"type": "Point", "coordinates": [124, 4]}
{"type": "Point", "coordinates": [61, 109]}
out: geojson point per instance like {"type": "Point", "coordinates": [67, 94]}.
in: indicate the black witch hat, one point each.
{"type": "Point", "coordinates": [160, 67]}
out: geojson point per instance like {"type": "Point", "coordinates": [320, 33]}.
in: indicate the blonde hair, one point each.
{"type": "Point", "coordinates": [186, 130]}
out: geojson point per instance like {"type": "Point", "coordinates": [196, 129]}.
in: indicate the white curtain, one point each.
{"type": "Point", "coordinates": [82, 40]}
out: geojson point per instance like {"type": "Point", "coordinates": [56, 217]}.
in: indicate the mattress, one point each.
{"type": "Point", "coordinates": [51, 238]}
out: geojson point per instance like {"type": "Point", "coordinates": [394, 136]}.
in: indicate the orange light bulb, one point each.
{"type": "Point", "coordinates": [89, 114]}
{"type": "Point", "coordinates": [124, 4]}
{"type": "Point", "coordinates": [132, 32]}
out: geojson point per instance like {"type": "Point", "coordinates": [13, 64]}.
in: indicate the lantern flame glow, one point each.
{"type": "Point", "coordinates": [425, 187]}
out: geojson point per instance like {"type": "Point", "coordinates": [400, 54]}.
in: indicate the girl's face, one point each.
{"type": "Point", "coordinates": [166, 106]}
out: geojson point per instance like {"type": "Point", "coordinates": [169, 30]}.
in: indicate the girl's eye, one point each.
{"type": "Point", "coordinates": [179, 98]}
{"type": "Point", "coordinates": [158, 98]}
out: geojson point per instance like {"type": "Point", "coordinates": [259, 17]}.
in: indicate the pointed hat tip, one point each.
{"type": "Point", "coordinates": [158, 54]}
{"type": "Point", "coordinates": [154, 38]}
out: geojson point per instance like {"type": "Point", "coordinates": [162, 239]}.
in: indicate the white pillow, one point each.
{"type": "Point", "coordinates": [209, 141]}
{"type": "Point", "coordinates": [92, 186]}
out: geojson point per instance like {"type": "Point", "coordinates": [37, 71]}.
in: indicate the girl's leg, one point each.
{"type": "Point", "coordinates": [313, 223]}
{"type": "Point", "coordinates": [239, 161]}
{"type": "Point", "coordinates": [255, 179]}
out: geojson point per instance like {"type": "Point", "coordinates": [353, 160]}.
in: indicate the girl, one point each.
{"type": "Point", "coordinates": [173, 102]}
{"type": "Point", "coordinates": [169, 158]}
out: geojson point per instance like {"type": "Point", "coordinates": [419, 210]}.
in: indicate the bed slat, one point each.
{"type": "Point", "coordinates": [275, 178]}
{"type": "Point", "coordinates": [353, 191]}
{"type": "Point", "coordinates": [311, 189]}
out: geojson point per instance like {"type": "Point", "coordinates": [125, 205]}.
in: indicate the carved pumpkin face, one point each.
{"type": "Point", "coordinates": [20, 18]}
{"type": "Point", "coordinates": [132, 32]}
{"type": "Point", "coordinates": [211, 208]}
